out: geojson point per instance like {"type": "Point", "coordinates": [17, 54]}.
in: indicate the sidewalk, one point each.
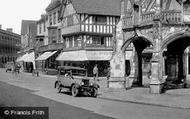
{"type": "Point", "coordinates": [179, 98]}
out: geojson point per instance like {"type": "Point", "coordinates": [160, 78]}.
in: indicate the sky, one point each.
{"type": "Point", "coordinates": [14, 11]}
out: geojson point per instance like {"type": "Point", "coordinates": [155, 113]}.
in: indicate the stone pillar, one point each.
{"type": "Point", "coordinates": [155, 83]}
{"type": "Point", "coordinates": [117, 78]}
{"type": "Point", "coordinates": [117, 62]}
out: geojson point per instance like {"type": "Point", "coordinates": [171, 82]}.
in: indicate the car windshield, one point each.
{"type": "Point", "coordinates": [74, 71]}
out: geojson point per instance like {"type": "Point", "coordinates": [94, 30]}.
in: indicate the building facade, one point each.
{"type": "Point", "coordinates": [9, 46]}
{"type": "Point", "coordinates": [87, 32]}
{"type": "Point", "coordinates": [79, 34]}
{"type": "Point", "coordinates": [159, 32]}
{"type": "Point", "coordinates": [49, 37]}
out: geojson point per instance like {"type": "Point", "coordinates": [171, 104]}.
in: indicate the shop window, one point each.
{"type": "Point", "coordinates": [53, 41]}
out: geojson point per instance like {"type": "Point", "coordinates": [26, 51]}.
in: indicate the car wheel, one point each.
{"type": "Point", "coordinates": [58, 86]}
{"type": "Point", "coordinates": [94, 92]}
{"type": "Point", "coordinates": [74, 90]}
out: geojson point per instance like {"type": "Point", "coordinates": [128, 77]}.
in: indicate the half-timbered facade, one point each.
{"type": "Point", "coordinates": [160, 27]}
{"type": "Point", "coordinates": [87, 29]}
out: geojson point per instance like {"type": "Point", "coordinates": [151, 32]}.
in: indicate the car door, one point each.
{"type": "Point", "coordinates": [63, 78]}
{"type": "Point", "coordinates": [67, 81]}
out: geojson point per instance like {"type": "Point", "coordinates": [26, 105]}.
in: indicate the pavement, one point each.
{"type": "Point", "coordinates": [179, 98]}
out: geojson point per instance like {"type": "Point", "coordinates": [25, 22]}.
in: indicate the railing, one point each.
{"type": "Point", "coordinates": [97, 28]}
{"type": "Point", "coordinates": [128, 22]}
{"type": "Point", "coordinates": [53, 46]}
{"type": "Point", "coordinates": [169, 17]}
{"type": "Point", "coordinates": [172, 16]}
{"type": "Point", "coordinates": [147, 18]}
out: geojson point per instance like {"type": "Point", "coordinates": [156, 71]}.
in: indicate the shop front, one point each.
{"type": "Point", "coordinates": [27, 61]}
{"type": "Point", "coordinates": [87, 59]}
{"type": "Point", "coordinates": [46, 62]}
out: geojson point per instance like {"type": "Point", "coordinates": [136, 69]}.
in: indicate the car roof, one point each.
{"type": "Point", "coordinates": [70, 68]}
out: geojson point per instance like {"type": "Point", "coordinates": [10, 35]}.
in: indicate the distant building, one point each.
{"type": "Point", "coordinates": [28, 34]}
{"type": "Point", "coordinates": [9, 45]}
{"type": "Point", "coordinates": [28, 43]}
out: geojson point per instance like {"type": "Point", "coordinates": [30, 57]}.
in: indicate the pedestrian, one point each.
{"type": "Point", "coordinates": [108, 76]}
{"type": "Point", "coordinates": [95, 72]}
{"type": "Point", "coordinates": [149, 71]}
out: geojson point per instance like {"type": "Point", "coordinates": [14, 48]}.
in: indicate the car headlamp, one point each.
{"type": "Point", "coordinates": [91, 83]}
{"type": "Point", "coordinates": [82, 83]}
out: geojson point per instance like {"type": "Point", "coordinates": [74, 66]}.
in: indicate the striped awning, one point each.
{"type": "Point", "coordinates": [84, 55]}
{"type": "Point", "coordinates": [28, 57]}
{"type": "Point", "coordinates": [45, 55]}
{"type": "Point", "coordinates": [22, 58]}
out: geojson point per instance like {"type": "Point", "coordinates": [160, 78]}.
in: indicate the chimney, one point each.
{"type": "Point", "coordinates": [10, 29]}
{"type": "Point", "coordinates": [0, 26]}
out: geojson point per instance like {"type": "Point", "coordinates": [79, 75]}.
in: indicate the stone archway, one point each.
{"type": "Point", "coordinates": [140, 43]}
{"type": "Point", "coordinates": [176, 59]}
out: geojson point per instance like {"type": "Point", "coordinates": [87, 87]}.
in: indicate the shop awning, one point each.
{"type": "Point", "coordinates": [45, 55]}
{"type": "Point", "coordinates": [83, 55]}
{"type": "Point", "coordinates": [99, 55]}
{"type": "Point", "coordinates": [22, 58]}
{"type": "Point", "coordinates": [30, 57]}
{"type": "Point", "coordinates": [72, 56]}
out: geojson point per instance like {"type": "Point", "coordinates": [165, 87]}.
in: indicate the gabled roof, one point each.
{"type": "Point", "coordinates": [53, 5]}
{"type": "Point", "coordinates": [25, 24]}
{"type": "Point", "coordinates": [98, 7]}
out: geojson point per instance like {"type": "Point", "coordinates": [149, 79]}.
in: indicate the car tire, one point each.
{"type": "Point", "coordinates": [58, 86]}
{"type": "Point", "coordinates": [94, 92]}
{"type": "Point", "coordinates": [74, 90]}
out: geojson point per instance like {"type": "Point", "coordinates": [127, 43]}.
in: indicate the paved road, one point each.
{"type": "Point", "coordinates": [25, 90]}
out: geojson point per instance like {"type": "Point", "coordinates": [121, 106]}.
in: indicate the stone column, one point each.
{"type": "Point", "coordinates": [117, 62]}
{"type": "Point", "coordinates": [155, 83]}
{"type": "Point", "coordinates": [157, 67]}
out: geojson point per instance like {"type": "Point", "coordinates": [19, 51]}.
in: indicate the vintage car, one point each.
{"type": "Point", "coordinates": [75, 79]}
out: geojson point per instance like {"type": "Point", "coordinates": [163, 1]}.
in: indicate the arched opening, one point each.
{"type": "Point", "coordinates": [176, 59]}
{"type": "Point", "coordinates": [141, 59]}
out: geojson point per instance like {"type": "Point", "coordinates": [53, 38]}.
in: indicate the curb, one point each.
{"type": "Point", "coordinates": [142, 103]}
